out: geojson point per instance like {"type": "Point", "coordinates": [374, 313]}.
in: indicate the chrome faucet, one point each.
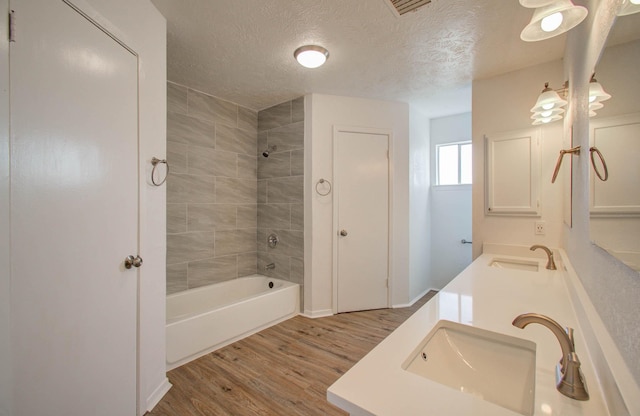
{"type": "Point", "coordinates": [551, 265]}
{"type": "Point", "coordinates": [270, 266]}
{"type": "Point", "coordinates": [569, 378]}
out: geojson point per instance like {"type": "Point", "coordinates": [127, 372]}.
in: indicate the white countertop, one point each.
{"type": "Point", "coordinates": [483, 297]}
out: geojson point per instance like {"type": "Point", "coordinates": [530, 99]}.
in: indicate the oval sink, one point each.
{"type": "Point", "coordinates": [494, 367]}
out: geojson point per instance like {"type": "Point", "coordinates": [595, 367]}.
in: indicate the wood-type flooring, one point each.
{"type": "Point", "coordinates": [282, 370]}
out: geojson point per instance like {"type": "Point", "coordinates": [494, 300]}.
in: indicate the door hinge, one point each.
{"type": "Point", "coordinates": [12, 26]}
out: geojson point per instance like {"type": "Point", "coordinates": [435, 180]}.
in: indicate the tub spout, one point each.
{"type": "Point", "coordinates": [270, 266]}
{"type": "Point", "coordinates": [569, 378]}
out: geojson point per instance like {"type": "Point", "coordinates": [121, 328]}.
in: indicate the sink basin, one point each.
{"type": "Point", "coordinates": [529, 265]}
{"type": "Point", "coordinates": [494, 367]}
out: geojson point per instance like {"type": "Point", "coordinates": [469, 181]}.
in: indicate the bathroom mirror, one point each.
{"type": "Point", "coordinates": [615, 132]}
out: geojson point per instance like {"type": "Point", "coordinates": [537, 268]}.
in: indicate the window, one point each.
{"type": "Point", "coordinates": [453, 163]}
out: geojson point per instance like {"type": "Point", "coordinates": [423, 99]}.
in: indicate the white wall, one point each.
{"type": "Point", "coordinates": [5, 226]}
{"type": "Point", "coordinates": [503, 103]}
{"type": "Point", "coordinates": [143, 28]}
{"type": "Point", "coordinates": [322, 112]}
{"type": "Point", "coordinates": [613, 288]}
{"type": "Point", "coordinates": [450, 207]}
{"type": "Point", "coordinates": [419, 218]}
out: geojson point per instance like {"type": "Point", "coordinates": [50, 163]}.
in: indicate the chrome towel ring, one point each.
{"type": "Point", "coordinates": [319, 186]}
{"type": "Point", "coordinates": [155, 162]}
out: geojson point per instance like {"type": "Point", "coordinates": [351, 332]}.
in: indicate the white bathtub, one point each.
{"type": "Point", "coordinates": [204, 319]}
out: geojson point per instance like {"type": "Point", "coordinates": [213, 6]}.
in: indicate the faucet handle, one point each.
{"type": "Point", "coordinates": [563, 360]}
{"type": "Point", "coordinates": [569, 332]}
{"type": "Point", "coordinates": [570, 382]}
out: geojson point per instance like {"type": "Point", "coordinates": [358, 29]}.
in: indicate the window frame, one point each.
{"type": "Point", "coordinates": [459, 145]}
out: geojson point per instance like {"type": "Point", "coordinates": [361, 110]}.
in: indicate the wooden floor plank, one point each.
{"type": "Point", "coordinates": [283, 370]}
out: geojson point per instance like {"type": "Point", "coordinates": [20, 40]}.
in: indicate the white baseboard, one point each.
{"type": "Point", "coordinates": [317, 314]}
{"type": "Point", "coordinates": [417, 298]}
{"type": "Point", "coordinates": [158, 394]}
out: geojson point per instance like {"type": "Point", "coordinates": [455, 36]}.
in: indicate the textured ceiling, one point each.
{"type": "Point", "coordinates": [242, 50]}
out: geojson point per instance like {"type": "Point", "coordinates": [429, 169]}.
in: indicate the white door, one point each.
{"type": "Point", "coordinates": [362, 180]}
{"type": "Point", "coordinates": [74, 215]}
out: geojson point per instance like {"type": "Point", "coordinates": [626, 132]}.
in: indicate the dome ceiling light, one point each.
{"type": "Point", "coordinates": [311, 56]}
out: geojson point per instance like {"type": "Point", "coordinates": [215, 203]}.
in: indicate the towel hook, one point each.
{"type": "Point", "coordinates": [155, 162]}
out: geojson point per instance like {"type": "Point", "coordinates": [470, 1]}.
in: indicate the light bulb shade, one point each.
{"type": "Point", "coordinates": [597, 93]}
{"type": "Point", "coordinates": [311, 56]}
{"type": "Point", "coordinates": [571, 16]}
{"type": "Point", "coordinates": [592, 113]}
{"type": "Point", "coordinates": [629, 7]}
{"type": "Point", "coordinates": [595, 106]}
{"type": "Point", "coordinates": [532, 4]}
{"type": "Point", "coordinates": [548, 100]}
{"type": "Point", "coordinates": [547, 113]}
{"type": "Point", "coordinates": [546, 120]}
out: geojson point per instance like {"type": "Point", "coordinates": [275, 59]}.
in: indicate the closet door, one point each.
{"type": "Point", "coordinates": [74, 208]}
{"type": "Point", "coordinates": [362, 207]}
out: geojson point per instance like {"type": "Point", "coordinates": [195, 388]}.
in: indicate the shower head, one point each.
{"type": "Point", "coordinates": [269, 149]}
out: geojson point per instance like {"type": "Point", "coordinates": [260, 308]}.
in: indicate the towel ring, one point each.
{"type": "Point", "coordinates": [155, 162]}
{"type": "Point", "coordinates": [320, 182]}
{"type": "Point", "coordinates": [604, 164]}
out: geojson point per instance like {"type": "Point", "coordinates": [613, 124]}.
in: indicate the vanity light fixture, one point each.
{"type": "Point", "coordinates": [549, 106]}
{"type": "Point", "coordinates": [597, 94]}
{"type": "Point", "coordinates": [629, 7]}
{"type": "Point", "coordinates": [311, 56]}
{"type": "Point", "coordinates": [551, 18]}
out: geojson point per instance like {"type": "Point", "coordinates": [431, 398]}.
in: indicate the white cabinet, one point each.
{"type": "Point", "coordinates": [618, 140]}
{"type": "Point", "coordinates": [513, 173]}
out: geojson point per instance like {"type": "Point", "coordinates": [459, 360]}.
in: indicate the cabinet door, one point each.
{"type": "Point", "coordinates": [513, 173]}
{"type": "Point", "coordinates": [617, 139]}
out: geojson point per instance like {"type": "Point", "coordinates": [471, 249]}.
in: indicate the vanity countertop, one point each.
{"type": "Point", "coordinates": [484, 297]}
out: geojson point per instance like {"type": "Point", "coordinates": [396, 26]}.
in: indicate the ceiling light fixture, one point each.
{"type": "Point", "coordinates": [597, 94]}
{"type": "Point", "coordinates": [551, 18]}
{"type": "Point", "coordinates": [311, 56]}
{"type": "Point", "coordinates": [549, 106]}
{"type": "Point", "coordinates": [629, 7]}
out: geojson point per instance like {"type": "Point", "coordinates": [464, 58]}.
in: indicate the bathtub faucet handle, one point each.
{"type": "Point", "coordinates": [270, 266]}
{"type": "Point", "coordinates": [273, 240]}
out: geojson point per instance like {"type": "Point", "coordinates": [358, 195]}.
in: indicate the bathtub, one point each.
{"type": "Point", "coordinates": [204, 319]}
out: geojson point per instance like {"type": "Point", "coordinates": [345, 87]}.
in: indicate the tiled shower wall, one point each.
{"type": "Point", "coordinates": [211, 189]}
{"type": "Point", "coordinates": [280, 190]}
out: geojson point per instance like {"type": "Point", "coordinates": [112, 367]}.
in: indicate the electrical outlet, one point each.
{"type": "Point", "coordinates": [540, 228]}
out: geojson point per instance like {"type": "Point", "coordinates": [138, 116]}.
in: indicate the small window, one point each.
{"type": "Point", "coordinates": [453, 164]}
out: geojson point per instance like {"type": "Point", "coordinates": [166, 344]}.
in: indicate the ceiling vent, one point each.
{"type": "Point", "coordinates": [401, 7]}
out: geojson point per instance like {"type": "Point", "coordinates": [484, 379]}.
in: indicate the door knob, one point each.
{"type": "Point", "coordinates": [343, 233]}
{"type": "Point", "coordinates": [131, 261]}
